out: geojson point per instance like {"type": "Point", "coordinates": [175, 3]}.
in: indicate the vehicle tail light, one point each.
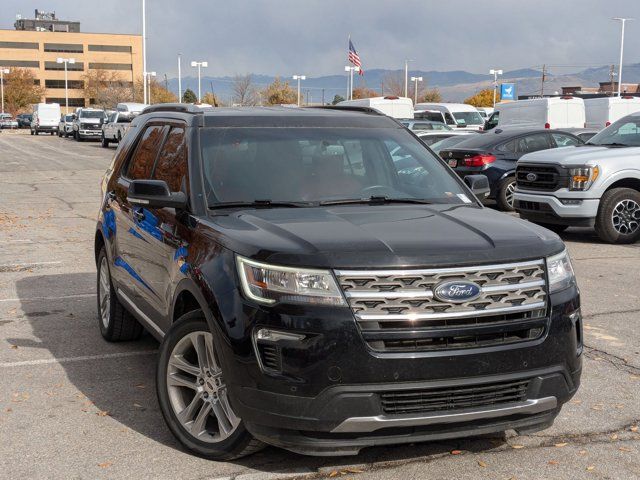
{"type": "Point", "coordinates": [547, 125]}
{"type": "Point", "coordinates": [607, 124]}
{"type": "Point", "coordinates": [479, 160]}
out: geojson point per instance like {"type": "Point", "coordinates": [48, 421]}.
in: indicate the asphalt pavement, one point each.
{"type": "Point", "coordinates": [75, 406]}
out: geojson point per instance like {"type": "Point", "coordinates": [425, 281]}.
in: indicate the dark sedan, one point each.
{"type": "Point", "coordinates": [496, 153]}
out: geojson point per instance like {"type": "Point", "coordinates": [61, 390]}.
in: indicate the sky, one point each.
{"type": "Point", "coordinates": [286, 37]}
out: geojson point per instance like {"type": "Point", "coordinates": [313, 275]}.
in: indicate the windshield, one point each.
{"type": "Point", "coordinates": [624, 132]}
{"type": "Point", "coordinates": [91, 114]}
{"type": "Point", "coordinates": [468, 118]}
{"type": "Point", "coordinates": [312, 165]}
{"type": "Point", "coordinates": [68, 118]}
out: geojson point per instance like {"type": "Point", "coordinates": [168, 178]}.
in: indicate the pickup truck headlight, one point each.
{"type": "Point", "coordinates": [582, 178]}
{"type": "Point", "coordinates": [560, 272]}
{"type": "Point", "coordinates": [270, 284]}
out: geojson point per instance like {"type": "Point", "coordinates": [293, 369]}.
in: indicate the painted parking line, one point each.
{"type": "Point", "coordinates": [83, 358]}
{"type": "Point", "coordinates": [37, 299]}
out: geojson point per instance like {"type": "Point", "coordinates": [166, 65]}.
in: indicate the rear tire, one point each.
{"type": "Point", "coordinates": [618, 219]}
{"type": "Point", "coordinates": [504, 194]}
{"type": "Point", "coordinates": [105, 142]}
{"type": "Point", "coordinates": [116, 323]}
{"type": "Point", "coordinates": [32, 132]}
{"type": "Point", "coordinates": [196, 403]}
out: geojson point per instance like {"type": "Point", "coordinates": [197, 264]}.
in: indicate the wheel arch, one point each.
{"type": "Point", "coordinates": [98, 244]}
{"type": "Point", "coordinates": [629, 182]}
{"type": "Point", "coordinates": [187, 298]}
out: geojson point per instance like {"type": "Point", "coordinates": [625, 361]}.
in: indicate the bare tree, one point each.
{"type": "Point", "coordinates": [244, 93]}
{"type": "Point", "coordinates": [394, 84]}
{"type": "Point", "coordinates": [107, 88]}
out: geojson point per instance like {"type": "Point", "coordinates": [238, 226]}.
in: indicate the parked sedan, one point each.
{"type": "Point", "coordinates": [495, 154]}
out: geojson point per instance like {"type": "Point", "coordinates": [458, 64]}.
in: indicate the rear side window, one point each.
{"type": "Point", "coordinates": [533, 143]}
{"type": "Point", "coordinates": [563, 140]}
{"type": "Point", "coordinates": [142, 160]}
{"type": "Point", "coordinates": [172, 162]}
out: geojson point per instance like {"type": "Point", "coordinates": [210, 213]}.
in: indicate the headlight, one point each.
{"type": "Point", "coordinates": [560, 272]}
{"type": "Point", "coordinates": [271, 284]}
{"type": "Point", "coordinates": [582, 178]}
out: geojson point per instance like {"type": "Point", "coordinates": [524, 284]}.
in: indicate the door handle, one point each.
{"type": "Point", "coordinates": [138, 214]}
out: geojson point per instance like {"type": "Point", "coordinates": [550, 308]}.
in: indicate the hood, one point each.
{"type": "Point", "coordinates": [362, 236]}
{"type": "Point", "coordinates": [579, 155]}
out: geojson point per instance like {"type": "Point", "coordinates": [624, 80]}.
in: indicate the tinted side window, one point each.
{"type": "Point", "coordinates": [142, 160]}
{"type": "Point", "coordinates": [510, 146]}
{"type": "Point", "coordinates": [533, 143]}
{"type": "Point", "coordinates": [172, 162]}
{"type": "Point", "coordinates": [564, 140]}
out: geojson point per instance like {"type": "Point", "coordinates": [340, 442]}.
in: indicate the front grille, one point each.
{"type": "Point", "coordinates": [396, 310]}
{"type": "Point", "coordinates": [533, 206]}
{"type": "Point", "coordinates": [547, 178]}
{"type": "Point", "coordinates": [453, 398]}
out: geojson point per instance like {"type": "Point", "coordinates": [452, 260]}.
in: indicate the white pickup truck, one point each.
{"type": "Point", "coordinates": [115, 127]}
{"type": "Point", "coordinates": [592, 185]}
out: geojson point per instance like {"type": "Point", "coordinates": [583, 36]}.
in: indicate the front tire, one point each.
{"type": "Point", "coordinates": [504, 194]}
{"type": "Point", "coordinates": [618, 219]}
{"type": "Point", "coordinates": [192, 393]}
{"type": "Point", "coordinates": [116, 323]}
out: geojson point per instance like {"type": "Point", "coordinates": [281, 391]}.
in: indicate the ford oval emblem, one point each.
{"type": "Point", "coordinates": [459, 291]}
{"type": "Point", "coordinates": [532, 177]}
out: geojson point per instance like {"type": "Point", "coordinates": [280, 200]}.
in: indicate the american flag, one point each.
{"type": "Point", "coordinates": [354, 58]}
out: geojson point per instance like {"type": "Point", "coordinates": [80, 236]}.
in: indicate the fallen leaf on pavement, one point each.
{"type": "Point", "coordinates": [590, 467]}
{"type": "Point", "coordinates": [624, 449]}
{"type": "Point", "coordinates": [564, 444]}
{"type": "Point", "coordinates": [333, 474]}
{"type": "Point", "coordinates": [105, 464]}
{"type": "Point", "coordinates": [141, 385]}
{"type": "Point", "coordinates": [137, 405]}
{"type": "Point", "coordinates": [353, 470]}
{"type": "Point", "coordinates": [13, 347]}
{"type": "Point", "coordinates": [102, 413]}
{"type": "Point", "coordinates": [614, 437]}
{"type": "Point", "coordinates": [634, 428]}
{"type": "Point", "coordinates": [481, 464]}
{"type": "Point", "coordinates": [517, 446]}
{"type": "Point", "coordinates": [456, 452]}
{"type": "Point", "coordinates": [582, 452]}
{"type": "Point", "coordinates": [553, 462]}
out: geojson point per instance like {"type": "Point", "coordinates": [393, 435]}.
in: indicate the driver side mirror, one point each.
{"type": "Point", "coordinates": [479, 185]}
{"type": "Point", "coordinates": [155, 194]}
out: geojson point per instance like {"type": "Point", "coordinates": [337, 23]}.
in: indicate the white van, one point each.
{"type": "Point", "coordinates": [457, 115]}
{"type": "Point", "coordinates": [46, 117]}
{"type": "Point", "coordinates": [131, 107]}
{"type": "Point", "coordinates": [550, 112]}
{"type": "Point", "coordinates": [396, 107]}
{"type": "Point", "coordinates": [602, 112]}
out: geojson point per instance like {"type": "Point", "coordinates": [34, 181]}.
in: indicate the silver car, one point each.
{"type": "Point", "coordinates": [65, 126]}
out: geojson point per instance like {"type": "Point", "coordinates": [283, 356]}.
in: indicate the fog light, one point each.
{"type": "Point", "coordinates": [275, 335]}
{"type": "Point", "coordinates": [566, 201]}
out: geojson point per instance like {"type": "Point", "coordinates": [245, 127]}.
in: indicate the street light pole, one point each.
{"type": "Point", "coordinates": [350, 80]}
{"type": "Point", "coordinates": [495, 74]}
{"type": "Point", "coordinates": [416, 79]}
{"type": "Point", "coordinates": [622, 21]}
{"type": "Point", "coordinates": [179, 78]}
{"type": "Point", "coordinates": [144, 51]}
{"type": "Point", "coordinates": [66, 81]}
{"type": "Point", "coordinates": [199, 65]}
{"type": "Point", "coordinates": [406, 77]}
{"type": "Point", "coordinates": [2, 73]}
{"type": "Point", "coordinates": [147, 81]}
{"type": "Point", "coordinates": [299, 78]}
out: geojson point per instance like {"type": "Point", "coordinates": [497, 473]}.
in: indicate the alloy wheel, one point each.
{"type": "Point", "coordinates": [197, 391]}
{"type": "Point", "coordinates": [626, 217]}
{"type": "Point", "coordinates": [104, 293]}
{"type": "Point", "coordinates": [510, 190]}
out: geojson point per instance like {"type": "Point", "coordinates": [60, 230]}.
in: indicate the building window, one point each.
{"type": "Point", "coordinates": [110, 48]}
{"type": "Point", "coordinates": [75, 84]}
{"type": "Point", "coordinates": [73, 102]}
{"type": "Point", "coordinates": [110, 66]}
{"type": "Point", "coordinates": [21, 45]}
{"type": "Point", "coordinates": [63, 47]}
{"type": "Point", "coordinates": [72, 67]}
{"type": "Point", "coordinates": [20, 63]}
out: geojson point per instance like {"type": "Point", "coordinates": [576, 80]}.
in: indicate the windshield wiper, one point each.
{"type": "Point", "coordinates": [259, 203]}
{"type": "Point", "coordinates": [612, 144]}
{"type": "Point", "coordinates": [375, 200]}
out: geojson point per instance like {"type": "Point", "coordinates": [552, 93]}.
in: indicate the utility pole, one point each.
{"type": "Point", "coordinates": [166, 82]}
{"type": "Point", "coordinates": [544, 77]}
{"type": "Point", "coordinates": [495, 74]}
{"type": "Point", "coordinates": [415, 91]}
{"type": "Point", "coordinates": [144, 51]}
{"type": "Point", "coordinates": [323, 96]}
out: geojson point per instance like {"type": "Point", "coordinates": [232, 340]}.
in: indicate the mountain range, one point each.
{"type": "Point", "coordinates": [454, 85]}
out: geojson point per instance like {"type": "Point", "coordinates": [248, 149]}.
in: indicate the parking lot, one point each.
{"type": "Point", "coordinates": [75, 406]}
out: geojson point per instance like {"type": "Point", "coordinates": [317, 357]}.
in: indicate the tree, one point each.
{"type": "Point", "coordinates": [363, 92]}
{"type": "Point", "coordinates": [210, 98]}
{"type": "Point", "coordinates": [157, 92]}
{"type": "Point", "coordinates": [279, 93]}
{"type": "Point", "coordinates": [430, 96]}
{"type": "Point", "coordinates": [484, 98]}
{"type": "Point", "coordinates": [337, 99]}
{"type": "Point", "coordinates": [244, 93]}
{"type": "Point", "coordinates": [189, 96]}
{"type": "Point", "coordinates": [393, 84]}
{"type": "Point", "coordinates": [21, 90]}
{"type": "Point", "coordinates": [107, 88]}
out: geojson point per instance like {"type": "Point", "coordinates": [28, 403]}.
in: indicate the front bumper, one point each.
{"type": "Point", "coordinates": [550, 209]}
{"type": "Point", "coordinates": [328, 397]}
{"type": "Point", "coordinates": [90, 133]}
{"type": "Point", "coordinates": [45, 128]}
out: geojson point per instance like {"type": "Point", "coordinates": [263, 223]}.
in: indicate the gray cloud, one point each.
{"type": "Point", "coordinates": [310, 36]}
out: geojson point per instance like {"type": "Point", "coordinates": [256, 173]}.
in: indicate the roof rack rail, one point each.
{"type": "Point", "coordinates": [352, 108]}
{"type": "Point", "coordinates": [174, 107]}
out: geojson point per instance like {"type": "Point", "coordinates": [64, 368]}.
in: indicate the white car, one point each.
{"type": "Point", "coordinates": [65, 126]}
{"type": "Point", "coordinates": [7, 121]}
{"type": "Point", "coordinates": [115, 127]}
{"type": "Point", "coordinates": [456, 115]}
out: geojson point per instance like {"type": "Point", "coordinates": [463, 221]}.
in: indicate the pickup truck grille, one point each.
{"type": "Point", "coordinates": [453, 398]}
{"type": "Point", "coordinates": [540, 177]}
{"type": "Point", "coordinates": [397, 311]}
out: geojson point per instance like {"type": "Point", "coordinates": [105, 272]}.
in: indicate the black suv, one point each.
{"type": "Point", "coordinates": [321, 281]}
